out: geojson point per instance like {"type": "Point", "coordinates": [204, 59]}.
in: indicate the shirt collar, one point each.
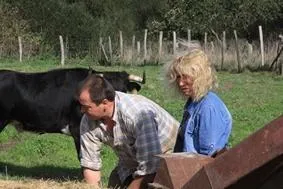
{"type": "Point", "coordinates": [116, 105]}
{"type": "Point", "coordinates": [191, 105]}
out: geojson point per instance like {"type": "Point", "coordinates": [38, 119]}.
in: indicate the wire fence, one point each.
{"type": "Point", "coordinates": [233, 54]}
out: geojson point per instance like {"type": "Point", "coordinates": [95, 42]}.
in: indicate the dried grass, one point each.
{"type": "Point", "coordinates": [42, 184]}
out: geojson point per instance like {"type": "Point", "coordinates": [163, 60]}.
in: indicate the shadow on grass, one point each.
{"type": "Point", "coordinates": [47, 172]}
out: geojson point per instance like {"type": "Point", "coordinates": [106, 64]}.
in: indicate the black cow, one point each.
{"type": "Point", "coordinates": [45, 102]}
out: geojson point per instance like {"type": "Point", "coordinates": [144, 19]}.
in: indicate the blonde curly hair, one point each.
{"type": "Point", "coordinates": [196, 65]}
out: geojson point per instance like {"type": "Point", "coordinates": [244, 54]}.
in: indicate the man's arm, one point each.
{"type": "Point", "coordinates": [92, 177]}
{"type": "Point", "coordinates": [147, 145]}
{"type": "Point", "coordinates": [90, 154]}
{"type": "Point", "coordinates": [141, 181]}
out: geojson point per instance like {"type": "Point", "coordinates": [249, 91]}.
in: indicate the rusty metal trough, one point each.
{"type": "Point", "coordinates": [255, 163]}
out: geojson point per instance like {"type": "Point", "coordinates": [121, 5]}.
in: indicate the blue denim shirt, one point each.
{"type": "Point", "coordinates": [206, 126]}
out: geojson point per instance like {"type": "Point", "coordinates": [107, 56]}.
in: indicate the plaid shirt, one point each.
{"type": "Point", "coordinates": [142, 130]}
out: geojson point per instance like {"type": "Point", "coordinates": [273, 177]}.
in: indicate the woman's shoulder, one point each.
{"type": "Point", "coordinates": [211, 100]}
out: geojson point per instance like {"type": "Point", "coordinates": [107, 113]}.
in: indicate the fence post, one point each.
{"type": "Point", "coordinates": [62, 50]}
{"type": "Point", "coordinates": [100, 50]}
{"type": "Point", "coordinates": [237, 52]}
{"type": "Point", "coordinates": [261, 45]}
{"type": "Point", "coordinates": [220, 42]}
{"type": "Point", "coordinates": [160, 45]}
{"type": "Point", "coordinates": [104, 53]}
{"type": "Point", "coordinates": [133, 47]}
{"type": "Point", "coordinates": [174, 42]}
{"type": "Point", "coordinates": [144, 45]}
{"type": "Point", "coordinates": [224, 40]}
{"type": "Point", "coordinates": [250, 49]}
{"type": "Point", "coordinates": [212, 46]}
{"type": "Point", "coordinates": [121, 45]}
{"type": "Point", "coordinates": [67, 48]}
{"type": "Point", "coordinates": [110, 48]}
{"type": "Point", "coordinates": [189, 37]}
{"type": "Point", "coordinates": [138, 48]}
{"type": "Point", "coordinates": [205, 41]}
{"type": "Point", "coordinates": [20, 48]}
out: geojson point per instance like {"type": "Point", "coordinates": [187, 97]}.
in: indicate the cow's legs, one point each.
{"type": "Point", "coordinates": [75, 132]}
{"type": "Point", "coordinates": [4, 114]}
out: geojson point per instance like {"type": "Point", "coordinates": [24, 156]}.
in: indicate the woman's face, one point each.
{"type": "Point", "coordinates": [185, 84]}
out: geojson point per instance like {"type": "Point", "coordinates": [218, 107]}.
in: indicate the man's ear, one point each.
{"type": "Point", "coordinates": [105, 101]}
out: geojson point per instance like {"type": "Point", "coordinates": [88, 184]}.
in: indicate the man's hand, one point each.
{"type": "Point", "coordinates": [141, 181]}
{"type": "Point", "coordinates": [92, 177]}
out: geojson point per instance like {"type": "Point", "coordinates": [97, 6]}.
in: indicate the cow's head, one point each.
{"type": "Point", "coordinates": [121, 80]}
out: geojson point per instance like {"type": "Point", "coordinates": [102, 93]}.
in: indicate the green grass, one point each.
{"type": "Point", "coordinates": [254, 99]}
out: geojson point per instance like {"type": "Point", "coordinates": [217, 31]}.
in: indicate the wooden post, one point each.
{"type": "Point", "coordinates": [223, 49]}
{"type": "Point", "coordinates": [274, 62]}
{"type": "Point", "coordinates": [110, 48]}
{"type": "Point", "coordinates": [121, 44]}
{"type": "Point", "coordinates": [62, 50]}
{"type": "Point", "coordinates": [144, 45]}
{"type": "Point", "coordinates": [205, 41]}
{"type": "Point", "coordinates": [100, 50]}
{"type": "Point", "coordinates": [133, 42]}
{"type": "Point", "coordinates": [250, 49]}
{"type": "Point", "coordinates": [20, 48]}
{"type": "Point", "coordinates": [189, 37]}
{"type": "Point", "coordinates": [174, 43]}
{"type": "Point", "coordinates": [212, 46]}
{"type": "Point", "coordinates": [237, 52]}
{"type": "Point", "coordinates": [66, 47]}
{"type": "Point", "coordinates": [261, 45]}
{"type": "Point", "coordinates": [104, 53]}
{"type": "Point", "coordinates": [133, 47]}
{"type": "Point", "coordinates": [224, 40]}
{"type": "Point", "coordinates": [138, 48]}
{"type": "Point", "coordinates": [160, 45]}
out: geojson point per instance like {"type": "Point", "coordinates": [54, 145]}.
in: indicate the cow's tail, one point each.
{"type": "Point", "coordinates": [138, 78]}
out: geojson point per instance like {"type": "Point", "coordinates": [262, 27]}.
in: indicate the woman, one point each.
{"type": "Point", "coordinates": [206, 123]}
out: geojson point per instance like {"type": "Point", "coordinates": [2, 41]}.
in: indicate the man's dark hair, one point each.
{"type": "Point", "coordinates": [98, 87]}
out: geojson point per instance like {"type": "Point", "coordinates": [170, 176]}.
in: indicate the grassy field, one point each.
{"type": "Point", "coordinates": [254, 99]}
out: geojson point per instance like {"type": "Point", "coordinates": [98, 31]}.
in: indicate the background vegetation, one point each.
{"type": "Point", "coordinates": [82, 22]}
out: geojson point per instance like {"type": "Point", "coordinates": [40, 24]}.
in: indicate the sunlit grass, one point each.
{"type": "Point", "coordinates": [254, 99]}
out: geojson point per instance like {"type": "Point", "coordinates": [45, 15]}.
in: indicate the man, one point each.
{"type": "Point", "coordinates": [136, 128]}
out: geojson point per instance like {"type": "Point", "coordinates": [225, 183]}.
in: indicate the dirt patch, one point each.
{"type": "Point", "coordinates": [42, 184]}
{"type": "Point", "coordinates": [7, 145]}
{"type": "Point", "coordinates": [12, 142]}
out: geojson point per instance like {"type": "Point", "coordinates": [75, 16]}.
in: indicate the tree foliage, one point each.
{"type": "Point", "coordinates": [220, 15]}
{"type": "Point", "coordinates": [11, 26]}
{"type": "Point", "coordinates": [82, 22]}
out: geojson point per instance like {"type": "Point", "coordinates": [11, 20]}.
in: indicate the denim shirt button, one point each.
{"type": "Point", "coordinates": [211, 146]}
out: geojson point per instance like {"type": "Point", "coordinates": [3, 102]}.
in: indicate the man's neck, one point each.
{"type": "Point", "coordinates": [108, 120]}
{"type": "Point", "coordinates": [109, 124]}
